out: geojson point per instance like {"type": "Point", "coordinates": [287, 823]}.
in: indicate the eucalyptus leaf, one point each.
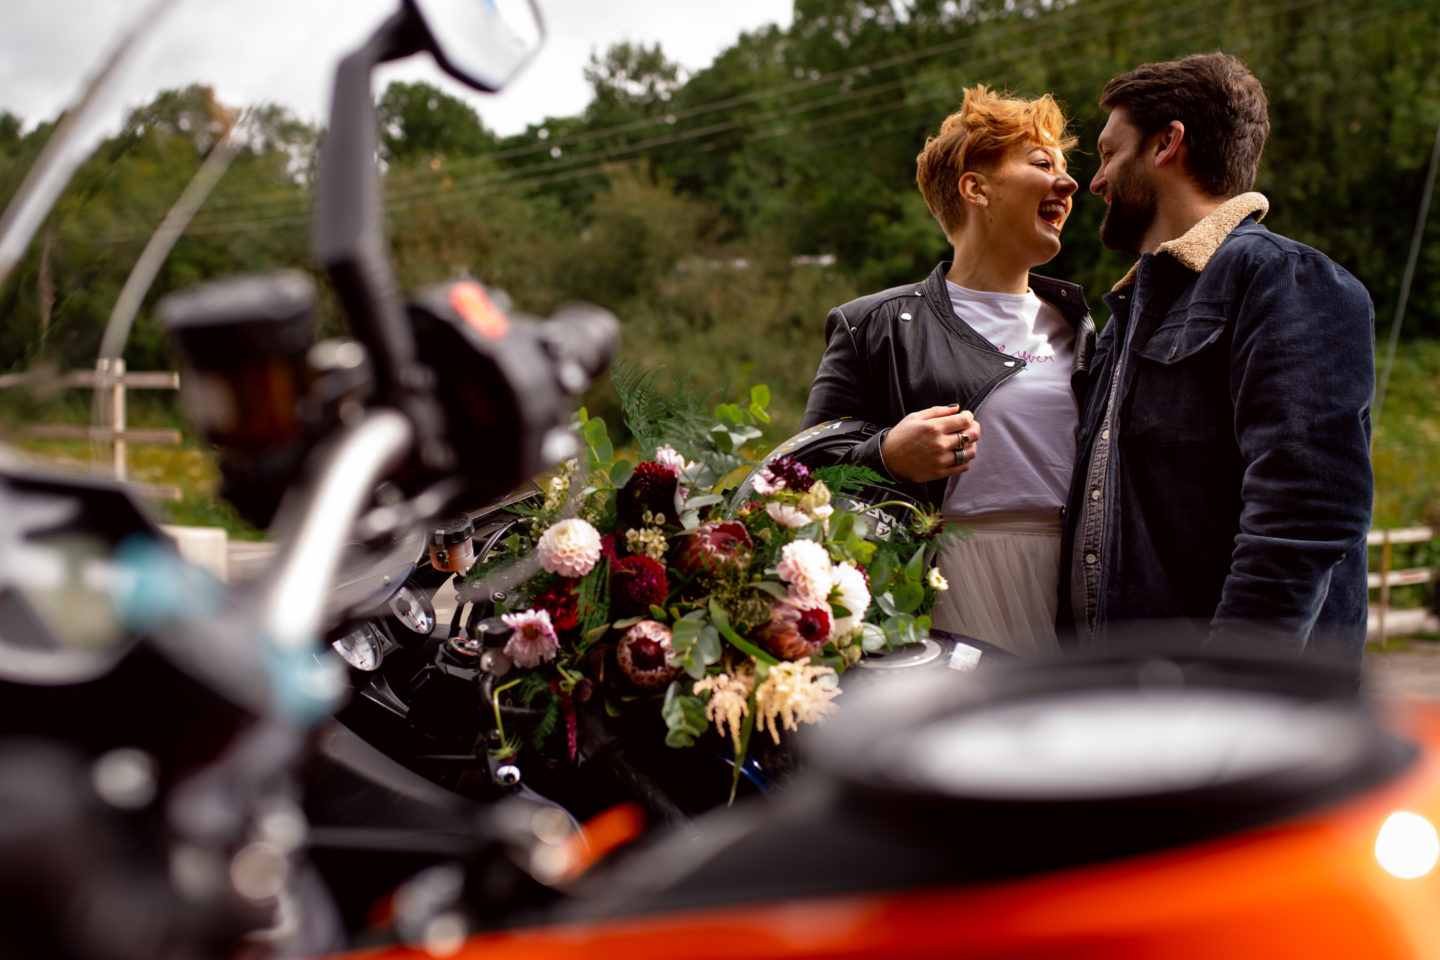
{"type": "Point", "coordinates": [620, 472]}
{"type": "Point", "coordinates": [885, 603]}
{"type": "Point", "coordinates": [872, 638]}
{"type": "Point", "coordinates": [658, 613]}
{"type": "Point", "coordinates": [907, 596]}
{"type": "Point", "coordinates": [776, 590]}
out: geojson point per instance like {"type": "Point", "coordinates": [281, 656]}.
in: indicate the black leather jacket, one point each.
{"type": "Point", "coordinates": [904, 349]}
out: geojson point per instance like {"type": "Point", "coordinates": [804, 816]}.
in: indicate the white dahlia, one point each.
{"type": "Point", "coordinates": [570, 548]}
{"type": "Point", "coordinates": [854, 595]}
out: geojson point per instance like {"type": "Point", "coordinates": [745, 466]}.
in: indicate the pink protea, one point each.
{"type": "Point", "coordinates": [636, 582]}
{"type": "Point", "coordinates": [644, 655]}
{"type": "Point", "coordinates": [532, 638]}
{"type": "Point", "coordinates": [797, 628]}
{"type": "Point", "coordinates": [713, 547]}
{"type": "Point", "coordinates": [570, 548]}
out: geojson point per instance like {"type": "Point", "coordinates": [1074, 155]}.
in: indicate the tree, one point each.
{"type": "Point", "coordinates": [420, 121]}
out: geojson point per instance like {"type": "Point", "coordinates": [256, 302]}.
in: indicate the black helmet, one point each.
{"type": "Point", "coordinates": [826, 445]}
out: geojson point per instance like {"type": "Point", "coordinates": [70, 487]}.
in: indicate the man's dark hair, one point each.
{"type": "Point", "coordinates": [1221, 104]}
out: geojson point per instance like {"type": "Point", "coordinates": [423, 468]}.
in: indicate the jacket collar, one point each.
{"type": "Point", "coordinates": [1068, 298]}
{"type": "Point", "coordinates": [1194, 248]}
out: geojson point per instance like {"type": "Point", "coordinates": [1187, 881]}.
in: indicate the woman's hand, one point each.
{"type": "Point", "coordinates": [931, 444]}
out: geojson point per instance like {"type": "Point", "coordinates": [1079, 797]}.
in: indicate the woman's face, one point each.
{"type": "Point", "coordinates": [1028, 202]}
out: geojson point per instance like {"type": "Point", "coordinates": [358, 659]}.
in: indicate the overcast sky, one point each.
{"type": "Point", "coordinates": [284, 50]}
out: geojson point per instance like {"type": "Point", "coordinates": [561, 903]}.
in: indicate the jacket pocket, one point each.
{"type": "Point", "coordinates": [1181, 389]}
{"type": "Point", "coordinates": [1178, 342]}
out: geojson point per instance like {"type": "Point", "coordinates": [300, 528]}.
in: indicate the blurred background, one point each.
{"type": "Point", "coordinates": [719, 202]}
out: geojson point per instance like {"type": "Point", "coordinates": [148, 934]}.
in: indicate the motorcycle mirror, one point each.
{"type": "Point", "coordinates": [482, 43]}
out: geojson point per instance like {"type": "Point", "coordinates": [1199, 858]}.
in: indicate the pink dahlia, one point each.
{"type": "Point", "coordinates": [713, 547]}
{"type": "Point", "coordinates": [570, 548]}
{"type": "Point", "coordinates": [796, 629]}
{"type": "Point", "coordinates": [636, 582]}
{"type": "Point", "coordinates": [644, 655]}
{"type": "Point", "coordinates": [532, 638]}
{"type": "Point", "coordinates": [805, 565]}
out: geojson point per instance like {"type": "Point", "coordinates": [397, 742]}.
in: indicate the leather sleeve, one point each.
{"type": "Point", "coordinates": [841, 389]}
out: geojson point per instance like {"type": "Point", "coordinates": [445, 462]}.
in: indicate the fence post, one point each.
{"type": "Point", "coordinates": [117, 416]}
{"type": "Point", "coordinates": [1385, 558]}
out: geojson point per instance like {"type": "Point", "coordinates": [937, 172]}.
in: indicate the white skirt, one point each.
{"type": "Point", "coordinates": [1004, 583]}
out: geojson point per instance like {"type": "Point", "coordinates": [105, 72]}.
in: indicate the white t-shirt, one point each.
{"type": "Point", "coordinates": [1027, 424]}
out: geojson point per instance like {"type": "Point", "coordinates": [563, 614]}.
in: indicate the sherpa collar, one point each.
{"type": "Point", "coordinates": [1196, 246]}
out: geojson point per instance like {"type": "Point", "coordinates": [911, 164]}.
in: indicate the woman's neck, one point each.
{"type": "Point", "coordinates": [973, 270]}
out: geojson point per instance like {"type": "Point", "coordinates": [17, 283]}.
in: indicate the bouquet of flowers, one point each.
{"type": "Point", "coordinates": [642, 586]}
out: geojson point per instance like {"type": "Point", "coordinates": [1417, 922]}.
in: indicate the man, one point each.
{"type": "Point", "coordinates": [1222, 479]}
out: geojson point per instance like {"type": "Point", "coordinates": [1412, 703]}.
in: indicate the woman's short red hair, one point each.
{"type": "Point", "coordinates": [980, 133]}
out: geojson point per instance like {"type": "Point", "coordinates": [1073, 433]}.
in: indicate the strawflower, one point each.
{"type": "Point", "coordinates": [532, 638]}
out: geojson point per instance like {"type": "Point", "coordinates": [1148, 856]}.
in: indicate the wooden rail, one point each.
{"type": "Point", "coordinates": [1388, 576]}
{"type": "Point", "coordinates": [110, 381]}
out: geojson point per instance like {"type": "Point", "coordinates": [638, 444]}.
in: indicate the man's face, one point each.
{"type": "Point", "coordinates": [1124, 181]}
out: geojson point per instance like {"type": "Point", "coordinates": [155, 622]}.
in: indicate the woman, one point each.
{"type": "Point", "coordinates": [923, 359]}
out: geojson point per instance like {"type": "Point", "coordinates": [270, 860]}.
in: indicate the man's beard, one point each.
{"type": "Point", "coordinates": [1129, 215]}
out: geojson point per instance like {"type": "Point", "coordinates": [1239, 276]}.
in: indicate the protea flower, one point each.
{"type": "Point", "coordinates": [651, 487]}
{"type": "Point", "coordinates": [636, 582]}
{"type": "Point", "coordinates": [644, 655]}
{"type": "Point", "coordinates": [713, 547]}
{"type": "Point", "coordinates": [797, 628]}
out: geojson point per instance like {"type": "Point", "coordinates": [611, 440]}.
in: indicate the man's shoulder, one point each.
{"type": "Point", "coordinates": [1255, 245]}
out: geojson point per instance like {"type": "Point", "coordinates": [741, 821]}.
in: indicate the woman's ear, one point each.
{"type": "Point", "coordinates": [974, 189]}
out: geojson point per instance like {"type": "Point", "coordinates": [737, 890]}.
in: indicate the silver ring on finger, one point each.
{"type": "Point", "coordinates": [961, 456]}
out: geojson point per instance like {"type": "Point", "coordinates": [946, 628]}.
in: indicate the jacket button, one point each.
{"type": "Point", "coordinates": [1009, 363]}
{"type": "Point", "coordinates": [854, 329]}
{"type": "Point", "coordinates": [1064, 293]}
{"type": "Point", "coordinates": [904, 316]}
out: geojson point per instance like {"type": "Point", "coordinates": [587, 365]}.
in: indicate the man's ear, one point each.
{"type": "Point", "coordinates": [974, 189]}
{"type": "Point", "coordinates": [1168, 146]}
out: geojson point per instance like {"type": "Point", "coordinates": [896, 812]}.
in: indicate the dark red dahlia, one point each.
{"type": "Point", "coordinates": [795, 474]}
{"type": "Point", "coordinates": [644, 655]}
{"type": "Point", "coordinates": [651, 487]}
{"type": "Point", "coordinates": [636, 582]}
{"type": "Point", "coordinates": [796, 629]}
{"type": "Point", "coordinates": [612, 545]}
{"type": "Point", "coordinates": [558, 600]}
{"type": "Point", "coordinates": [713, 547]}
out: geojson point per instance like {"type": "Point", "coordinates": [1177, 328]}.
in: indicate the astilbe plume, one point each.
{"type": "Point", "coordinates": [636, 582]}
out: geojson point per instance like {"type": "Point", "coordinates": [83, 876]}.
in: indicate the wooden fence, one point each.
{"type": "Point", "coordinates": [1387, 576]}
{"type": "Point", "coordinates": [110, 380]}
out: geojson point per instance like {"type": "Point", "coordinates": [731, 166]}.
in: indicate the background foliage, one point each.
{"type": "Point", "coordinates": [721, 213]}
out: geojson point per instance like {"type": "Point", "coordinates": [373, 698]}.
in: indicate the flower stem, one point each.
{"type": "Point", "coordinates": [505, 748]}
